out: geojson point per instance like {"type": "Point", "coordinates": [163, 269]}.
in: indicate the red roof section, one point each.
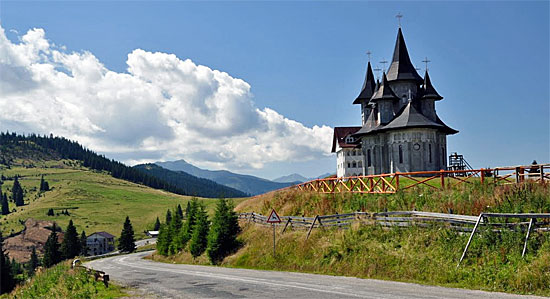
{"type": "Point", "coordinates": [340, 133]}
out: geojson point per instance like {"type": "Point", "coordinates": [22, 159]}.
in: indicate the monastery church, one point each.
{"type": "Point", "coordinates": [400, 131]}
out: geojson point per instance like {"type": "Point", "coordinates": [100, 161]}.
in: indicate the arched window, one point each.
{"type": "Point", "coordinates": [400, 154]}
{"type": "Point", "coordinates": [430, 152]}
{"type": "Point", "coordinates": [349, 165]}
{"type": "Point", "coordinates": [354, 164]}
{"type": "Point", "coordinates": [360, 164]}
{"type": "Point", "coordinates": [369, 162]}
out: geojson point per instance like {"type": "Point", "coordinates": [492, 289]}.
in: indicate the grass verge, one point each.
{"type": "Point", "coordinates": [60, 281]}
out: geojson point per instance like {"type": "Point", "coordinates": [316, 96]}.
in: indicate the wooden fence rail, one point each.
{"type": "Point", "coordinates": [392, 182]}
{"type": "Point", "coordinates": [464, 223]}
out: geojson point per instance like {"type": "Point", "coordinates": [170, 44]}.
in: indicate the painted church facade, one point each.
{"type": "Point", "coordinates": [401, 131]}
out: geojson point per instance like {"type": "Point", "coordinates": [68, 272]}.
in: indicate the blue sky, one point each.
{"type": "Point", "coordinates": [306, 61]}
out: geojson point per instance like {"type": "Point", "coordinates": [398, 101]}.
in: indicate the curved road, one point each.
{"type": "Point", "coordinates": [190, 281]}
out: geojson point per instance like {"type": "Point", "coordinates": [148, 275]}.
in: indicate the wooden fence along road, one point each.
{"type": "Point", "coordinates": [391, 182]}
{"type": "Point", "coordinates": [463, 223]}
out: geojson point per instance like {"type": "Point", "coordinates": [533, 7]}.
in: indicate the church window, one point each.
{"type": "Point", "coordinates": [369, 162]}
{"type": "Point", "coordinates": [360, 164]}
{"type": "Point", "coordinates": [430, 152]}
{"type": "Point", "coordinates": [400, 154]}
{"type": "Point", "coordinates": [349, 165]}
{"type": "Point", "coordinates": [354, 164]}
{"type": "Point", "coordinates": [347, 153]}
{"type": "Point", "coordinates": [353, 153]}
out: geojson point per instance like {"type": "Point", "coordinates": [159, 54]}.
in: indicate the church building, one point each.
{"type": "Point", "coordinates": [400, 130]}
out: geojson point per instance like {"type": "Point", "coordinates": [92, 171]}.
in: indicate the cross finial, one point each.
{"type": "Point", "coordinates": [368, 54]}
{"type": "Point", "coordinates": [426, 62]}
{"type": "Point", "coordinates": [377, 70]}
{"type": "Point", "coordinates": [399, 16]}
{"type": "Point", "coordinates": [383, 62]}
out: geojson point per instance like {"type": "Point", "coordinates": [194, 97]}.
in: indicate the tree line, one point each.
{"type": "Point", "coordinates": [68, 149]}
{"type": "Point", "coordinates": [72, 245]}
{"type": "Point", "coordinates": [196, 234]}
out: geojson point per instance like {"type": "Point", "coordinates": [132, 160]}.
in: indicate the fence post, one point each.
{"type": "Point", "coordinates": [482, 176]}
{"type": "Point", "coordinates": [396, 181]}
{"type": "Point", "coordinates": [470, 240]}
{"type": "Point", "coordinates": [518, 180]}
{"type": "Point", "coordinates": [442, 175]}
{"type": "Point", "coordinates": [312, 225]}
{"type": "Point", "coordinates": [527, 237]}
{"type": "Point", "coordinates": [287, 223]}
{"type": "Point", "coordinates": [542, 174]}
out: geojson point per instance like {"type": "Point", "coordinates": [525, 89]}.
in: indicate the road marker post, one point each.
{"type": "Point", "coordinates": [273, 218]}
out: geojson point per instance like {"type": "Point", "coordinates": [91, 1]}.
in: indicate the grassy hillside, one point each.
{"type": "Point", "coordinates": [95, 200]}
{"type": "Point", "coordinates": [414, 254]}
{"type": "Point", "coordinates": [62, 282]}
{"type": "Point", "coordinates": [470, 199]}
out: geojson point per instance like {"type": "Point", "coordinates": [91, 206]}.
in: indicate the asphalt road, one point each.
{"type": "Point", "coordinates": [188, 281]}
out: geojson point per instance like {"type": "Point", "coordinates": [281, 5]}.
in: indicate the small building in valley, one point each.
{"type": "Point", "coordinates": [100, 243]}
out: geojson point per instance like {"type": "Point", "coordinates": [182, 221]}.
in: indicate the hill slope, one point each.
{"type": "Point", "coordinates": [95, 200]}
{"type": "Point", "coordinates": [188, 183]}
{"type": "Point", "coordinates": [245, 183]}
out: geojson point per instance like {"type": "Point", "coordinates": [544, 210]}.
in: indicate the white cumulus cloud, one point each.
{"type": "Point", "coordinates": [162, 108]}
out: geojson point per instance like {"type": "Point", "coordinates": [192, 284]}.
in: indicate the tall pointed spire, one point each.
{"type": "Point", "coordinates": [384, 92]}
{"type": "Point", "coordinates": [429, 90]}
{"type": "Point", "coordinates": [368, 87]}
{"type": "Point", "coordinates": [401, 67]}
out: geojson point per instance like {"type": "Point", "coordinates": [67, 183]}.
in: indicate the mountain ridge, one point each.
{"type": "Point", "coordinates": [246, 183]}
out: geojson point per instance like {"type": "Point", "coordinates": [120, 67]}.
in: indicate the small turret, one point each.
{"type": "Point", "coordinates": [429, 96]}
{"type": "Point", "coordinates": [384, 98]}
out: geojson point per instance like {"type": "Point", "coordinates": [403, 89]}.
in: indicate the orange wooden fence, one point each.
{"type": "Point", "coordinates": [391, 182]}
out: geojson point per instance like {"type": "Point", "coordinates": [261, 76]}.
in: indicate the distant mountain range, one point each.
{"type": "Point", "coordinates": [190, 184]}
{"type": "Point", "coordinates": [293, 178]}
{"type": "Point", "coordinates": [245, 183]}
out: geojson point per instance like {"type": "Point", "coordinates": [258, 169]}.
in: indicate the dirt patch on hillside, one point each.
{"type": "Point", "coordinates": [35, 234]}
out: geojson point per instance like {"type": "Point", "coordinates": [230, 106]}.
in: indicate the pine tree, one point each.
{"type": "Point", "coordinates": [168, 217]}
{"type": "Point", "coordinates": [164, 240]}
{"type": "Point", "coordinates": [52, 255]}
{"type": "Point", "coordinates": [157, 225]}
{"type": "Point", "coordinates": [199, 240]}
{"type": "Point", "coordinates": [175, 227]}
{"type": "Point", "coordinates": [83, 244]}
{"type": "Point", "coordinates": [222, 238]}
{"type": "Point", "coordinates": [6, 277]}
{"type": "Point", "coordinates": [5, 204]}
{"type": "Point", "coordinates": [179, 211]}
{"type": "Point", "coordinates": [70, 247]}
{"type": "Point", "coordinates": [127, 241]}
{"type": "Point", "coordinates": [17, 193]}
{"type": "Point", "coordinates": [33, 262]}
{"type": "Point", "coordinates": [187, 230]}
{"type": "Point", "coordinates": [44, 186]}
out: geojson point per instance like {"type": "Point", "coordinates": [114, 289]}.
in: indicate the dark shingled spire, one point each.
{"type": "Point", "coordinates": [401, 67]}
{"type": "Point", "coordinates": [368, 87]}
{"type": "Point", "coordinates": [429, 90]}
{"type": "Point", "coordinates": [384, 92]}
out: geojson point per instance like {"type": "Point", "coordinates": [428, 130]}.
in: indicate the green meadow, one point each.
{"type": "Point", "coordinates": [95, 200]}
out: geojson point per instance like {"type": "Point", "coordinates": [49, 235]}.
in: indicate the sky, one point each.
{"type": "Point", "coordinates": [256, 87]}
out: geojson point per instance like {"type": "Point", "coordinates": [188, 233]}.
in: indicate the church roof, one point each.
{"type": "Point", "coordinates": [369, 125]}
{"type": "Point", "coordinates": [408, 117]}
{"type": "Point", "coordinates": [368, 87]}
{"type": "Point", "coordinates": [429, 90]}
{"type": "Point", "coordinates": [340, 134]}
{"type": "Point", "coordinates": [384, 91]}
{"type": "Point", "coordinates": [401, 67]}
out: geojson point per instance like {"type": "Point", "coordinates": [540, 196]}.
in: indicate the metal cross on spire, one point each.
{"type": "Point", "coordinates": [368, 54]}
{"type": "Point", "coordinates": [426, 62]}
{"type": "Point", "coordinates": [383, 62]}
{"type": "Point", "coordinates": [377, 70]}
{"type": "Point", "coordinates": [399, 16]}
